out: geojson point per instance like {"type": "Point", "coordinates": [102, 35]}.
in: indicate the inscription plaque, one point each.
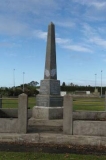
{"type": "Point", "coordinates": [55, 87]}
{"type": "Point", "coordinates": [45, 87]}
{"type": "Point", "coordinates": [42, 101]}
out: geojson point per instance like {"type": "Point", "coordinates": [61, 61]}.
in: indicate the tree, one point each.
{"type": "Point", "coordinates": [33, 83]}
{"type": "Point", "coordinates": [63, 84]}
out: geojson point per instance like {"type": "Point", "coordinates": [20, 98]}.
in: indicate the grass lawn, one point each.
{"type": "Point", "coordinates": [93, 104]}
{"type": "Point", "coordinates": [13, 102]}
{"type": "Point", "coordinates": [43, 156]}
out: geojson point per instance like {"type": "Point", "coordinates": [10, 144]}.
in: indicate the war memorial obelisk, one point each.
{"type": "Point", "coordinates": [49, 98]}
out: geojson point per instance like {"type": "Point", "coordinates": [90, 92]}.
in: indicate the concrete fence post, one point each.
{"type": "Point", "coordinates": [105, 100]}
{"type": "Point", "coordinates": [0, 101]}
{"type": "Point", "coordinates": [68, 115]}
{"type": "Point", "coordinates": [22, 113]}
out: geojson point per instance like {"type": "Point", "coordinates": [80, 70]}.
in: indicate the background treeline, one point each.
{"type": "Point", "coordinates": [15, 91]}
{"type": "Point", "coordinates": [82, 88]}
{"type": "Point", "coordinates": [33, 90]}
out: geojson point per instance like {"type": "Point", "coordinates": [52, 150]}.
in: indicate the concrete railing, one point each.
{"type": "Point", "coordinates": [1, 100]}
{"type": "Point", "coordinates": [67, 115]}
{"type": "Point", "coordinates": [91, 123]}
{"type": "Point", "coordinates": [17, 125]}
{"type": "Point", "coordinates": [10, 112]}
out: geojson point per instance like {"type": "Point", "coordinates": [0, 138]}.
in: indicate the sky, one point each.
{"type": "Point", "coordinates": [80, 31]}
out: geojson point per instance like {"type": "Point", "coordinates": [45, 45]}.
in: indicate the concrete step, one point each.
{"type": "Point", "coordinates": [41, 122]}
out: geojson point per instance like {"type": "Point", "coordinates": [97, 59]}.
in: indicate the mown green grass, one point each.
{"type": "Point", "coordinates": [45, 156]}
{"type": "Point", "coordinates": [93, 104]}
{"type": "Point", "coordinates": [13, 102]}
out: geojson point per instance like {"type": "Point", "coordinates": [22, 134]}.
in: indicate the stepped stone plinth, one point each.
{"type": "Point", "coordinates": [49, 95]}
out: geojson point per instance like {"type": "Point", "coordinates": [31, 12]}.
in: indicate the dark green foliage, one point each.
{"type": "Point", "coordinates": [33, 83]}
{"type": "Point", "coordinates": [82, 88]}
{"type": "Point", "coordinates": [29, 90]}
{"type": "Point", "coordinates": [63, 84]}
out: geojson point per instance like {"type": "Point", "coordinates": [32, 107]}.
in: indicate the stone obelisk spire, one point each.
{"type": "Point", "coordinates": [50, 62]}
{"type": "Point", "coordinates": [49, 95]}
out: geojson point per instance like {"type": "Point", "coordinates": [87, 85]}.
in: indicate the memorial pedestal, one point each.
{"type": "Point", "coordinates": [49, 95]}
{"type": "Point", "coordinates": [47, 113]}
{"type": "Point", "coordinates": [49, 101]}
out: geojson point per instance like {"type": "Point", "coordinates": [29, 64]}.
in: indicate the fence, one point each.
{"type": "Point", "coordinates": [92, 123]}
{"type": "Point", "coordinates": [6, 102]}
{"type": "Point", "coordinates": [18, 124]}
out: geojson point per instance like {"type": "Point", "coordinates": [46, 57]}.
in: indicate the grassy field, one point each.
{"type": "Point", "coordinates": [43, 156]}
{"type": "Point", "coordinates": [13, 102]}
{"type": "Point", "coordinates": [93, 104]}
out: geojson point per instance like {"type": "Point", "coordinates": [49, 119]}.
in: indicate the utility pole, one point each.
{"type": "Point", "coordinates": [23, 81]}
{"type": "Point", "coordinates": [95, 81]}
{"type": "Point", "coordinates": [13, 82]}
{"type": "Point", "coordinates": [101, 83]}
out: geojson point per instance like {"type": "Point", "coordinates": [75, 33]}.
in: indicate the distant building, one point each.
{"type": "Point", "coordinates": [63, 93]}
{"type": "Point", "coordinates": [82, 92]}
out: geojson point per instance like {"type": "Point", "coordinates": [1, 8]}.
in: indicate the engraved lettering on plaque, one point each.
{"type": "Point", "coordinates": [44, 87]}
{"type": "Point", "coordinates": [55, 88]}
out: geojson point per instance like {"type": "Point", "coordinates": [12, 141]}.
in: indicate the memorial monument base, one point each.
{"type": "Point", "coordinates": [49, 100]}
{"type": "Point", "coordinates": [46, 113]}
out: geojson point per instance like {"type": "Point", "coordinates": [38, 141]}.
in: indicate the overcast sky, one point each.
{"type": "Point", "coordinates": [80, 27]}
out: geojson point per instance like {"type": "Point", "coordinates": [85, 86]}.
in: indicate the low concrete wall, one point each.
{"type": "Point", "coordinates": [77, 115]}
{"type": "Point", "coordinates": [89, 115]}
{"type": "Point", "coordinates": [8, 125]}
{"type": "Point", "coordinates": [13, 113]}
{"type": "Point", "coordinates": [91, 128]}
{"type": "Point", "coordinates": [91, 123]}
{"type": "Point", "coordinates": [15, 125]}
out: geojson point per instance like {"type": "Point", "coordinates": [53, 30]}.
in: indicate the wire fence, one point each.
{"type": "Point", "coordinates": [93, 104]}
{"type": "Point", "coordinates": [6, 102]}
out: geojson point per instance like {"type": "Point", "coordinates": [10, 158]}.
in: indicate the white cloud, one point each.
{"type": "Point", "coordinates": [95, 3]}
{"type": "Point", "coordinates": [92, 10]}
{"type": "Point", "coordinates": [98, 41]}
{"type": "Point", "coordinates": [43, 35]}
{"type": "Point", "coordinates": [9, 26]}
{"type": "Point", "coordinates": [98, 5]}
{"type": "Point", "coordinates": [26, 6]}
{"type": "Point", "coordinates": [40, 34]}
{"type": "Point", "coordinates": [62, 41]}
{"type": "Point", "coordinates": [93, 36]}
{"type": "Point", "coordinates": [78, 48]}
{"type": "Point", "coordinates": [14, 24]}
{"type": "Point", "coordinates": [66, 24]}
